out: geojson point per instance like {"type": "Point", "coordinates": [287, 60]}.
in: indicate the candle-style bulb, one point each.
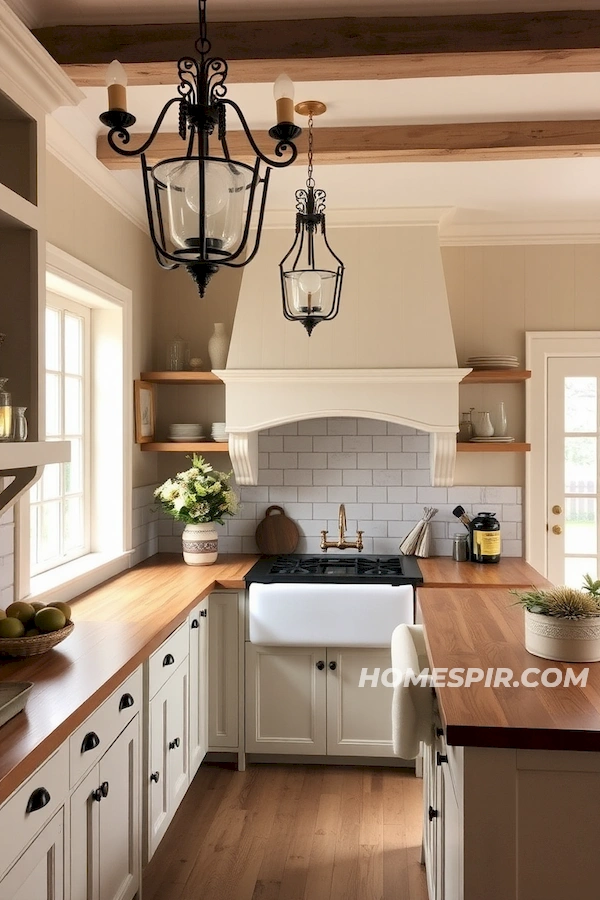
{"type": "Point", "coordinates": [116, 82]}
{"type": "Point", "coordinates": [283, 91]}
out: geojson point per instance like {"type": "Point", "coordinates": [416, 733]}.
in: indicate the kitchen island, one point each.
{"type": "Point", "coordinates": [513, 772]}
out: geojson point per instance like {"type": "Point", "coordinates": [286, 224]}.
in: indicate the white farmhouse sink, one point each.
{"type": "Point", "coordinates": [328, 615]}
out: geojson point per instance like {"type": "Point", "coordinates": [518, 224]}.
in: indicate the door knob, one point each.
{"type": "Point", "coordinates": [333, 665]}
{"type": "Point", "coordinates": [556, 509]}
{"type": "Point", "coordinates": [556, 529]}
{"type": "Point", "coordinates": [320, 665]}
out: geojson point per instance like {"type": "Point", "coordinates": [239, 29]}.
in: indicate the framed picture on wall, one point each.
{"type": "Point", "coordinates": [145, 411]}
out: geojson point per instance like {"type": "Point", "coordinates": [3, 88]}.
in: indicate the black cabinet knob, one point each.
{"type": "Point", "coordinates": [432, 813]}
{"type": "Point", "coordinates": [97, 795]}
{"type": "Point", "coordinates": [441, 758]}
{"type": "Point", "coordinates": [173, 744]}
{"type": "Point", "coordinates": [90, 741]}
{"type": "Point", "coordinates": [104, 788]}
{"type": "Point", "coordinates": [154, 777]}
{"type": "Point", "coordinates": [333, 666]}
{"type": "Point", "coordinates": [168, 660]}
{"type": "Point", "coordinates": [38, 800]}
{"type": "Point", "coordinates": [126, 701]}
{"type": "Point", "coordinates": [203, 613]}
{"type": "Point", "coordinates": [439, 732]}
{"type": "Point", "coordinates": [320, 665]}
{"type": "Point", "coordinates": [195, 623]}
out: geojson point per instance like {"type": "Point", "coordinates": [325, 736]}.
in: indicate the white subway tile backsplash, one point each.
{"type": "Point", "coordinates": [402, 494]}
{"type": "Point", "coordinates": [298, 476]}
{"type": "Point", "coordinates": [371, 426]}
{"type": "Point", "coordinates": [290, 428]}
{"type": "Point", "coordinates": [256, 492]}
{"type": "Point", "coordinates": [312, 494]}
{"type": "Point", "coordinates": [358, 443]}
{"type": "Point", "coordinates": [312, 426]}
{"type": "Point", "coordinates": [358, 477]}
{"type": "Point", "coordinates": [345, 494]}
{"type": "Point", "coordinates": [286, 494]}
{"type": "Point", "coordinates": [511, 513]}
{"type": "Point", "coordinates": [342, 426]}
{"type": "Point", "coordinates": [435, 495]}
{"type": "Point", "coordinates": [372, 495]}
{"type": "Point", "coordinates": [423, 460]}
{"type": "Point", "coordinates": [393, 428]}
{"type": "Point", "coordinates": [389, 511]}
{"type": "Point", "coordinates": [415, 476]}
{"type": "Point", "coordinates": [402, 460]}
{"type": "Point", "coordinates": [327, 476]}
{"type": "Point", "coordinates": [270, 443]}
{"type": "Point", "coordinates": [284, 461]}
{"type": "Point", "coordinates": [418, 443]}
{"type": "Point", "coordinates": [331, 443]}
{"type": "Point", "coordinates": [388, 444]}
{"type": "Point", "coordinates": [297, 443]}
{"type": "Point", "coordinates": [371, 461]}
{"type": "Point", "coordinates": [465, 495]}
{"type": "Point", "coordinates": [342, 461]}
{"type": "Point", "coordinates": [272, 476]}
{"type": "Point", "coordinates": [387, 476]}
{"type": "Point", "coordinates": [312, 460]}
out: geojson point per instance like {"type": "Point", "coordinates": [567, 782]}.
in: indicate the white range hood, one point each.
{"type": "Point", "coordinates": [388, 355]}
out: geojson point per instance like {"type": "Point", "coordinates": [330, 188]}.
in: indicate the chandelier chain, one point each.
{"type": "Point", "coordinates": [310, 181]}
{"type": "Point", "coordinates": [202, 45]}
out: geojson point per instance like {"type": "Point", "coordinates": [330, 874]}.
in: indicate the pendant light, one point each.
{"type": "Point", "coordinates": [311, 273]}
{"type": "Point", "coordinates": [200, 204]}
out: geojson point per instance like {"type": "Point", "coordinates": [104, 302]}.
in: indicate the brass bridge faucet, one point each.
{"type": "Point", "coordinates": [342, 543]}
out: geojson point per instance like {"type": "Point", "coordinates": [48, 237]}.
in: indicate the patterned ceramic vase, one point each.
{"type": "Point", "coordinates": [200, 544]}
{"type": "Point", "coordinates": [566, 640]}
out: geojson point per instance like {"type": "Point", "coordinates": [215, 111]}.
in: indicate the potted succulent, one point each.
{"type": "Point", "coordinates": [199, 497]}
{"type": "Point", "coordinates": [563, 623]}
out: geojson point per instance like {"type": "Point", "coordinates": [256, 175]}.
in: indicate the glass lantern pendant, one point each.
{"type": "Point", "coordinates": [200, 204]}
{"type": "Point", "coordinates": [311, 273]}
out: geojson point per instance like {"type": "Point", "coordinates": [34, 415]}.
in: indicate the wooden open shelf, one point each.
{"type": "Point", "coordinates": [181, 377]}
{"type": "Point", "coordinates": [181, 447]}
{"type": "Point", "coordinates": [492, 447]}
{"type": "Point", "coordinates": [496, 376]}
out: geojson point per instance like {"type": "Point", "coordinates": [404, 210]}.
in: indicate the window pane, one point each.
{"type": "Point", "coordinates": [51, 482]}
{"type": "Point", "coordinates": [73, 405]}
{"type": "Point", "coordinates": [580, 465]}
{"type": "Point", "coordinates": [73, 344]}
{"type": "Point", "coordinates": [580, 525]}
{"type": "Point", "coordinates": [53, 423]}
{"type": "Point", "coordinates": [73, 471]}
{"type": "Point", "coordinates": [576, 568]}
{"type": "Point", "coordinates": [73, 525]}
{"type": "Point", "coordinates": [52, 339]}
{"type": "Point", "coordinates": [49, 532]}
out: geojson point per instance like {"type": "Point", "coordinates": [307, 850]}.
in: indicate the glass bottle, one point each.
{"type": "Point", "coordinates": [19, 432]}
{"type": "Point", "coordinates": [178, 354]}
{"type": "Point", "coordinates": [5, 412]}
{"type": "Point", "coordinates": [465, 429]}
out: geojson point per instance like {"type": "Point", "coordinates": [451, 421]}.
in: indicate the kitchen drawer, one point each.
{"type": "Point", "coordinates": [45, 792]}
{"type": "Point", "coordinates": [167, 658]}
{"type": "Point", "coordinates": [94, 736]}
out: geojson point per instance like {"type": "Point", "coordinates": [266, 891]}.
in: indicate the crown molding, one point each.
{"type": "Point", "coordinates": [534, 232]}
{"type": "Point", "coordinates": [30, 68]}
{"type": "Point", "coordinates": [71, 153]}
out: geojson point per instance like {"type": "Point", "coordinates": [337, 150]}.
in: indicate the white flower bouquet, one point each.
{"type": "Point", "coordinates": [198, 495]}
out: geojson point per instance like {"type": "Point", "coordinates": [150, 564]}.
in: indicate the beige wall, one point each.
{"type": "Point", "coordinates": [81, 223]}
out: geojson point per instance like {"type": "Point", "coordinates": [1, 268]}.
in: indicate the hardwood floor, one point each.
{"type": "Point", "coordinates": [293, 832]}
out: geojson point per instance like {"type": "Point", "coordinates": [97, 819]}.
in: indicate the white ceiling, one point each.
{"type": "Point", "coordinates": [90, 12]}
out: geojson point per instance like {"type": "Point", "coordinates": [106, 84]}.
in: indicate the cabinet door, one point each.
{"type": "Point", "coordinates": [157, 813]}
{"type": "Point", "coordinates": [85, 832]}
{"type": "Point", "coordinates": [119, 825]}
{"type": "Point", "coordinates": [450, 837]}
{"type": "Point", "coordinates": [198, 728]}
{"type": "Point", "coordinates": [223, 670]}
{"type": "Point", "coordinates": [178, 768]}
{"type": "Point", "coordinates": [430, 819]}
{"type": "Point", "coordinates": [359, 719]}
{"type": "Point", "coordinates": [285, 699]}
{"type": "Point", "coordinates": [39, 873]}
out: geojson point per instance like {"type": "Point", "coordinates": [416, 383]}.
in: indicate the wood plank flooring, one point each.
{"type": "Point", "coordinates": [293, 832]}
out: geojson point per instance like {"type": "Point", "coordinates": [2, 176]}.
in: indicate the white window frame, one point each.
{"type": "Point", "coordinates": [111, 427]}
{"type": "Point", "coordinates": [541, 346]}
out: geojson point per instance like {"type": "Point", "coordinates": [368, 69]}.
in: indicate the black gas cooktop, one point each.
{"type": "Point", "coordinates": [297, 568]}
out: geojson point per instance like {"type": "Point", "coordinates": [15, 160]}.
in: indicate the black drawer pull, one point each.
{"type": "Point", "coordinates": [441, 758]}
{"type": "Point", "coordinates": [154, 777]}
{"type": "Point", "coordinates": [90, 741]}
{"type": "Point", "coordinates": [333, 666]}
{"type": "Point", "coordinates": [38, 800]}
{"type": "Point", "coordinates": [203, 613]}
{"type": "Point", "coordinates": [126, 701]}
{"type": "Point", "coordinates": [174, 744]}
{"type": "Point", "coordinates": [168, 660]}
{"type": "Point", "coordinates": [432, 813]}
{"type": "Point", "coordinates": [439, 732]}
{"type": "Point", "coordinates": [195, 623]}
{"type": "Point", "coordinates": [320, 665]}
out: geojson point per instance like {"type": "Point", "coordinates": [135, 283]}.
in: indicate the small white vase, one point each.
{"type": "Point", "coordinates": [218, 347]}
{"type": "Point", "coordinates": [200, 544]}
{"type": "Point", "coordinates": [565, 640]}
{"type": "Point", "coordinates": [499, 421]}
{"type": "Point", "coordinates": [482, 424]}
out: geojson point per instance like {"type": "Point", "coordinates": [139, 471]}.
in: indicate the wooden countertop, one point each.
{"type": "Point", "coordinates": [482, 628]}
{"type": "Point", "coordinates": [117, 626]}
{"type": "Point", "coordinates": [443, 571]}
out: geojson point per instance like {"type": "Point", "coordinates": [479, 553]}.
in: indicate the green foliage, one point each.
{"type": "Point", "coordinates": [198, 495]}
{"type": "Point", "coordinates": [563, 602]}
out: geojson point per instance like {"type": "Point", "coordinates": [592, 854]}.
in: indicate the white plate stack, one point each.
{"type": "Point", "coordinates": [493, 362]}
{"type": "Point", "coordinates": [219, 435]}
{"type": "Point", "coordinates": [186, 433]}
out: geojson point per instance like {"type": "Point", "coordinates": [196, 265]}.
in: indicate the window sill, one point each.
{"type": "Point", "coordinates": [74, 578]}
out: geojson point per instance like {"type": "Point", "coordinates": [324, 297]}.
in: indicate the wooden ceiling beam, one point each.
{"type": "Point", "coordinates": [402, 143]}
{"type": "Point", "coordinates": [340, 48]}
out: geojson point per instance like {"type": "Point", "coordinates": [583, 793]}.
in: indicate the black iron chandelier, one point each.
{"type": "Point", "coordinates": [200, 206]}
{"type": "Point", "coordinates": [311, 273]}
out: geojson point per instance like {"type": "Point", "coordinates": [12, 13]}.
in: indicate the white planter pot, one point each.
{"type": "Point", "coordinates": [566, 640]}
{"type": "Point", "coordinates": [200, 544]}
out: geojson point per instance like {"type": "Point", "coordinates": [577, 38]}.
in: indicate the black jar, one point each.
{"type": "Point", "coordinates": [485, 538]}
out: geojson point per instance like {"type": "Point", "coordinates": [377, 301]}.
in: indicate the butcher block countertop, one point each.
{"type": "Point", "coordinates": [443, 571]}
{"type": "Point", "coordinates": [117, 626]}
{"type": "Point", "coordinates": [482, 628]}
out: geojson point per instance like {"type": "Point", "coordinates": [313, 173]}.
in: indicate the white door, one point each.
{"type": "Point", "coordinates": [359, 719]}
{"type": "Point", "coordinates": [286, 699]}
{"type": "Point", "coordinates": [158, 783]}
{"type": "Point", "coordinates": [85, 854]}
{"type": "Point", "coordinates": [39, 874]}
{"type": "Point", "coordinates": [572, 474]}
{"type": "Point", "coordinates": [177, 736]}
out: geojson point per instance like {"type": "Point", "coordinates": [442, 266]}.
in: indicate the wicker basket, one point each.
{"type": "Point", "coordinates": [36, 644]}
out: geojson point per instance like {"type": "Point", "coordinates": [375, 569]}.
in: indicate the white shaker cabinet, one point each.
{"type": "Point", "coordinates": [225, 646]}
{"type": "Point", "coordinates": [198, 728]}
{"type": "Point", "coordinates": [38, 874]}
{"type": "Point", "coordinates": [105, 824]}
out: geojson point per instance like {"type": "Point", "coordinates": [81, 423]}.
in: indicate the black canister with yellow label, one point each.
{"type": "Point", "coordinates": [485, 538]}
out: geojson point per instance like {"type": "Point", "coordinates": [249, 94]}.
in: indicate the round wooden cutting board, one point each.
{"type": "Point", "coordinates": [276, 533]}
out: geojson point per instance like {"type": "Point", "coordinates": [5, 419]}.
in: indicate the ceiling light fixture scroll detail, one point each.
{"type": "Point", "coordinates": [200, 204]}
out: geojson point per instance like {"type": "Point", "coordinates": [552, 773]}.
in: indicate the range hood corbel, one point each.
{"type": "Point", "coordinates": [24, 462]}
